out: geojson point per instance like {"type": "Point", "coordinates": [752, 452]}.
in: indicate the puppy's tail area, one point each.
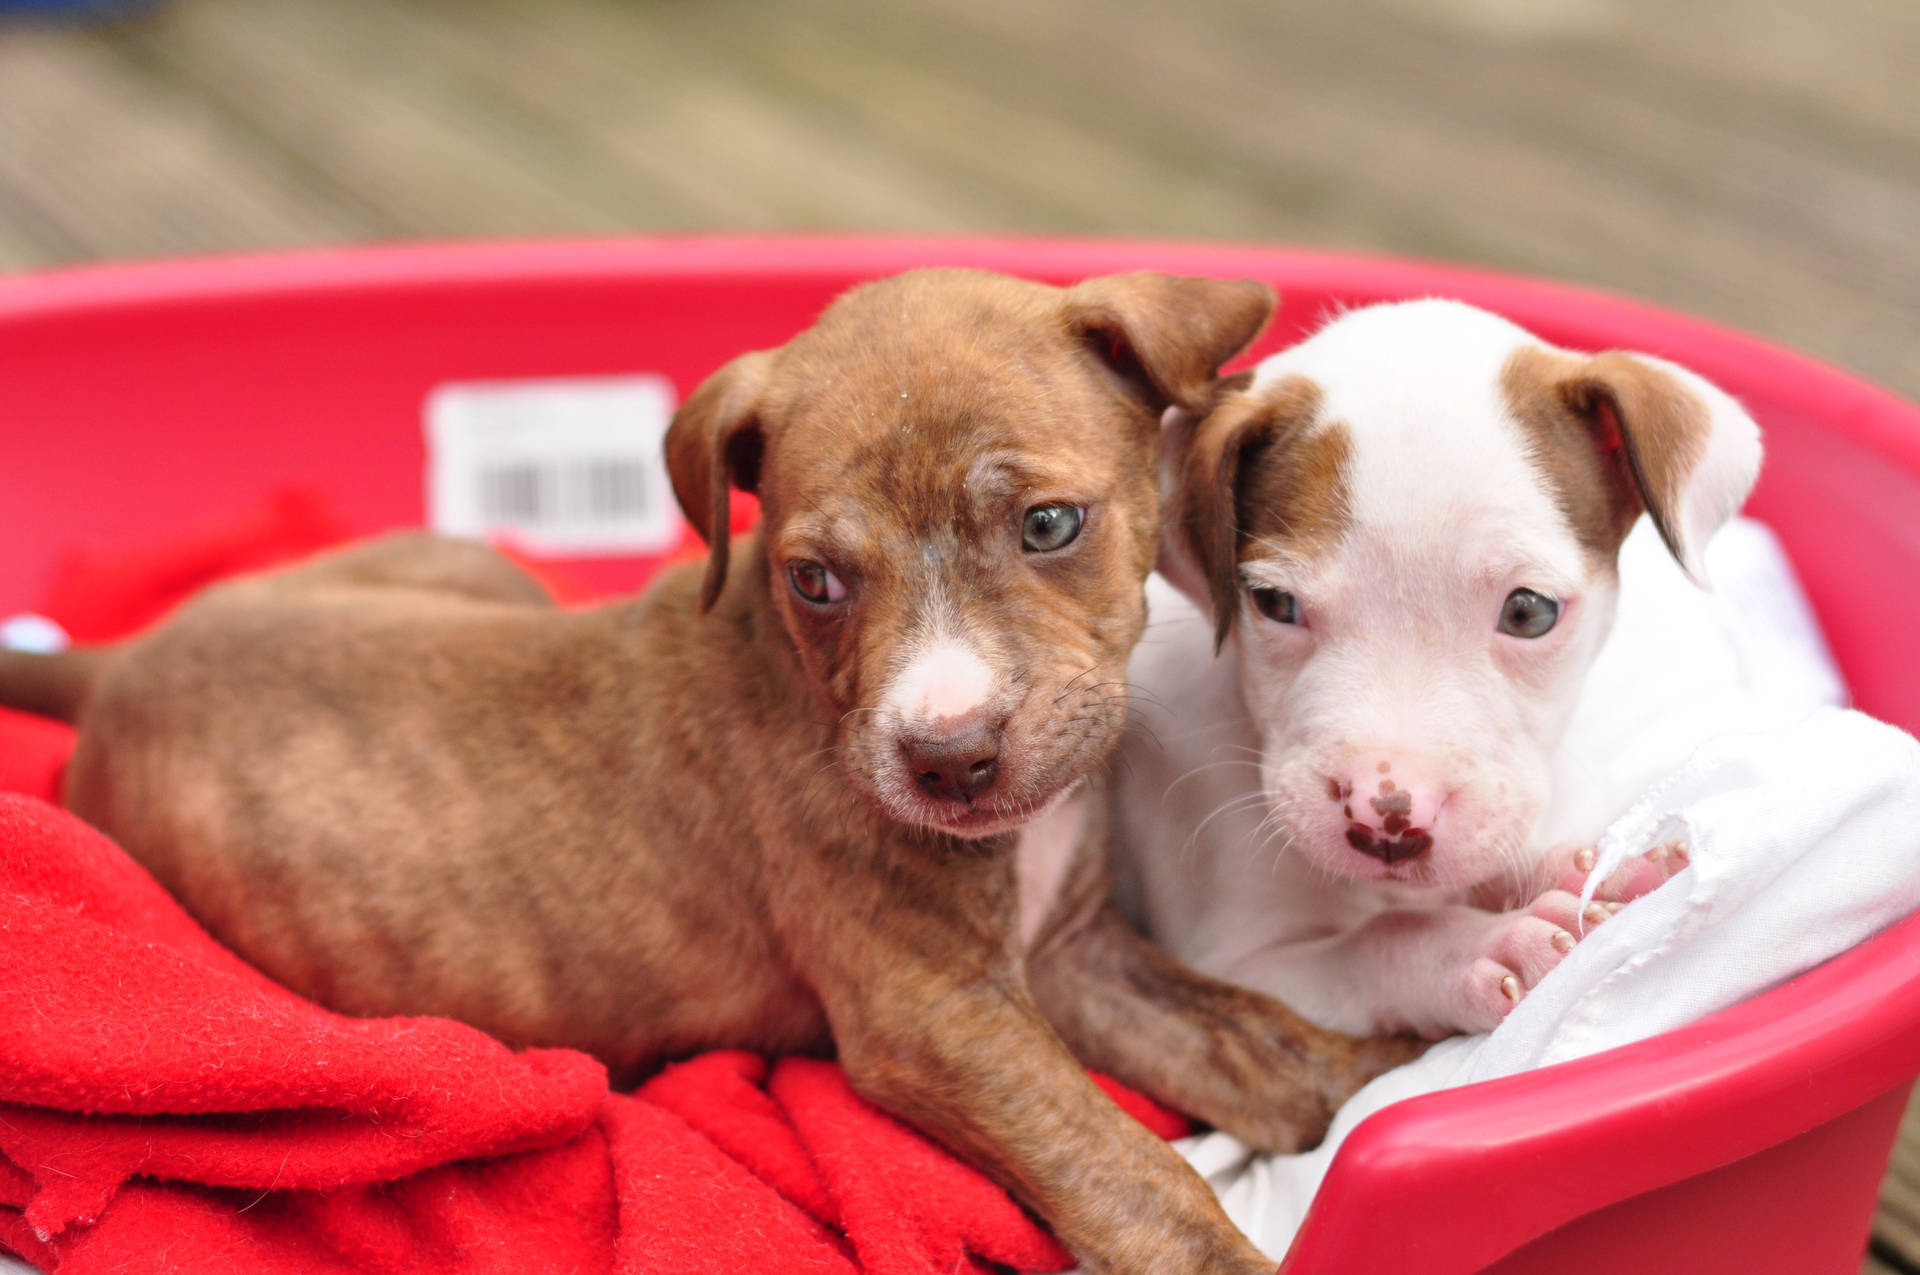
{"type": "Point", "coordinates": [55, 686]}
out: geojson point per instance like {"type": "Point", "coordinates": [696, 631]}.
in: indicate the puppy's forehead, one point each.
{"type": "Point", "coordinates": [1434, 453]}
{"type": "Point", "coordinates": [950, 341]}
{"type": "Point", "coordinates": [938, 389]}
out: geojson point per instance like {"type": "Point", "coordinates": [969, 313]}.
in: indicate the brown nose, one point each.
{"type": "Point", "coordinates": [1411, 844]}
{"type": "Point", "coordinates": [958, 764]}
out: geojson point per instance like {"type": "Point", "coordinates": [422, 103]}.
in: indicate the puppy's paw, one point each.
{"type": "Point", "coordinates": [1519, 950]}
{"type": "Point", "coordinates": [1569, 866]}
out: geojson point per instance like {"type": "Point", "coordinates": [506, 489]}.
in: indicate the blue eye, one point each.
{"type": "Point", "coordinates": [1050, 527]}
{"type": "Point", "coordinates": [1526, 614]}
{"type": "Point", "coordinates": [1276, 604]}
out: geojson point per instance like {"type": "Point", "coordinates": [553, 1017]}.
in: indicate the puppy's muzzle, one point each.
{"type": "Point", "coordinates": [955, 759]}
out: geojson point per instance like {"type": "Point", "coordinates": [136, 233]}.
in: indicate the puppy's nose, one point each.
{"type": "Point", "coordinates": [1389, 816]}
{"type": "Point", "coordinates": [958, 763]}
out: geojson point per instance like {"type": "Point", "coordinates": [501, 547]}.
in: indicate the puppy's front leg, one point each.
{"type": "Point", "coordinates": [972, 1063]}
{"type": "Point", "coordinates": [914, 955]}
{"type": "Point", "coordinates": [1236, 1059]}
{"type": "Point", "coordinates": [1435, 971]}
{"type": "Point", "coordinates": [1457, 968]}
{"type": "Point", "coordinates": [1240, 1061]}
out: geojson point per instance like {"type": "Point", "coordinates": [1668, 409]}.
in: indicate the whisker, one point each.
{"type": "Point", "coordinates": [1243, 801]}
{"type": "Point", "coordinates": [1211, 765]}
{"type": "Point", "coordinates": [1067, 689]}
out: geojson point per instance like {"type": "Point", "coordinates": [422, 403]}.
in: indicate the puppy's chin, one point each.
{"type": "Point", "coordinates": [1331, 854]}
{"type": "Point", "coordinates": [896, 797]}
{"type": "Point", "coordinates": [1048, 750]}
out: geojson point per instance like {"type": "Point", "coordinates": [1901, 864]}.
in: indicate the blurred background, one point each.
{"type": "Point", "coordinates": [1756, 161]}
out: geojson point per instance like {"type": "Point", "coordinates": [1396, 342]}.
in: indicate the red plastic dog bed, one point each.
{"type": "Point", "coordinates": [141, 401]}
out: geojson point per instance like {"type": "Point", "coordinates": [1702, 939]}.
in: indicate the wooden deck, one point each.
{"type": "Point", "coordinates": [1757, 161]}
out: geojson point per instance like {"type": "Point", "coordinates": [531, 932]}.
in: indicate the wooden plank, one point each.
{"type": "Point", "coordinates": [1897, 1225]}
{"type": "Point", "coordinates": [1842, 63]}
{"type": "Point", "coordinates": [17, 255]}
{"type": "Point", "coordinates": [1841, 66]}
{"type": "Point", "coordinates": [28, 238]}
{"type": "Point", "coordinates": [870, 74]}
{"type": "Point", "coordinates": [364, 112]}
{"type": "Point", "coordinates": [99, 159]}
{"type": "Point", "coordinates": [698, 113]}
{"type": "Point", "coordinates": [1573, 159]}
{"type": "Point", "coordinates": [1563, 149]}
{"type": "Point", "coordinates": [506, 119]}
{"type": "Point", "coordinates": [689, 116]}
{"type": "Point", "coordinates": [1552, 143]}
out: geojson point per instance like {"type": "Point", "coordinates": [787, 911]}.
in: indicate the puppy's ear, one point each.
{"type": "Point", "coordinates": [1166, 336]}
{"type": "Point", "coordinates": [1208, 463]}
{"type": "Point", "coordinates": [1669, 442]}
{"type": "Point", "coordinates": [713, 445]}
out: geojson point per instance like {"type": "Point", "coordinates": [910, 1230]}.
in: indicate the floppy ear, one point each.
{"type": "Point", "coordinates": [1166, 336]}
{"type": "Point", "coordinates": [1208, 464]}
{"type": "Point", "coordinates": [713, 445]}
{"type": "Point", "coordinates": [1677, 446]}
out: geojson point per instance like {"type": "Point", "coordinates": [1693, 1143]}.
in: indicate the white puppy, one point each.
{"type": "Point", "coordinates": [1403, 538]}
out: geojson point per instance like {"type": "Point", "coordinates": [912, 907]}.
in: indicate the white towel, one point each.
{"type": "Point", "coordinates": [1801, 818]}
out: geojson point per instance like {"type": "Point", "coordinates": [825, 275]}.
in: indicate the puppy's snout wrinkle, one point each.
{"type": "Point", "coordinates": [957, 761]}
{"type": "Point", "coordinates": [1391, 819]}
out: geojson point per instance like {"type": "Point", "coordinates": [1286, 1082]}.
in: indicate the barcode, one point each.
{"type": "Point", "coordinates": [562, 467]}
{"type": "Point", "coordinates": [574, 492]}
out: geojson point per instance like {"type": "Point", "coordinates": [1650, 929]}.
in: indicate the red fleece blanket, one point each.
{"type": "Point", "coordinates": [164, 1107]}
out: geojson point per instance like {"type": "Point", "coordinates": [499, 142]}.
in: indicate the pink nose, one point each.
{"type": "Point", "coordinates": [1388, 816]}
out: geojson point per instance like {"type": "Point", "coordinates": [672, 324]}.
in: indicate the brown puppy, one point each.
{"type": "Point", "coordinates": [832, 790]}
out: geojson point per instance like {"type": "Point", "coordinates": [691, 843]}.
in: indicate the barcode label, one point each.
{"type": "Point", "coordinates": [567, 467]}
{"type": "Point", "coordinates": [594, 489]}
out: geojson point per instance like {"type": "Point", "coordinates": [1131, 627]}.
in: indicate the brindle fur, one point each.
{"type": "Point", "coordinates": [401, 781]}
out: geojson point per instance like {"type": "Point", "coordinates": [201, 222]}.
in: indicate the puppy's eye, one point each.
{"type": "Point", "coordinates": [1276, 604]}
{"type": "Point", "coordinates": [1050, 527]}
{"type": "Point", "coordinates": [1527, 614]}
{"type": "Point", "coordinates": [815, 583]}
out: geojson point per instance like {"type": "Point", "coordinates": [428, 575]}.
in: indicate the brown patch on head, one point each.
{"type": "Point", "coordinates": [1612, 435]}
{"type": "Point", "coordinates": [1260, 469]}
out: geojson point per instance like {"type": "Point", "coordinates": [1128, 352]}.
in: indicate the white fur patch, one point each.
{"type": "Point", "coordinates": [1047, 847]}
{"type": "Point", "coordinates": [945, 680]}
